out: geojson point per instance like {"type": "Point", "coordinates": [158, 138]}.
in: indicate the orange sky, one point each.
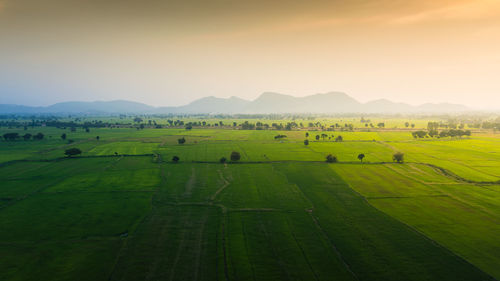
{"type": "Point", "coordinates": [171, 52]}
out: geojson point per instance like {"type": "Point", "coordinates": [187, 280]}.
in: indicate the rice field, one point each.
{"type": "Point", "coordinates": [123, 210]}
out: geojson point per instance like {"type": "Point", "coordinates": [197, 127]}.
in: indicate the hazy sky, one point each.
{"type": "Point", "coordinates": [171, 52]}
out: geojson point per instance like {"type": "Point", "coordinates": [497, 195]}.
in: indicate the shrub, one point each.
{"type": "Point", "coordinates": [398, 157]}
{"type": "Point", "coordinates": [235, 156]}
{"type": "Point", "coordinates": [72, 151]}
{"type": "Point", "coordinates": [331, 158]}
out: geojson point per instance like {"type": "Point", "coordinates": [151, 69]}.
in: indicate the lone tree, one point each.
{"type": "Point", "coordinates": [38, 136]}
{"type": "Point", "coordinates": [331, 158]}
{"type": "Point", "coordinates": [317, 137]}
{"type": "Point", "coordinates": [223, 160]}
{"type": "Point", "coordinates": [72, 151]}
{"type": "Point", "coordinates": [398, 157]}
{"type": "Point", "coordinates": [181, 141]}
{"type": "Point", "coordinates": [97, 137]}
{"type": "Point", "coordinates": [306, 142]}
{"type": "Point", "coordinates": [235, 156]}
{"type": "Point", "coordinates": [175, 159]}
{"type": "Point", "coordinates": [361, 157]}
{"type": "Point", "coordinates": [307, 135]}
{"type": "Point", "coordinates": [27, 136]}
{"type": "Point", "coordinates": [63, 136]}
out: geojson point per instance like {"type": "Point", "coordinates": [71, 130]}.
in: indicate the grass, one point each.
{"type": "Point", "coordinates": [282, 213]}
{"type": "Point", "coordinates": [464, 218]}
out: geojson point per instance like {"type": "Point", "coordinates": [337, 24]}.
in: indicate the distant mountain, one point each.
{"type": "Point", "coordinates": [74, 107]}
{"type": "Point", "coordinates": [118, 106]}
{"type": "Point", "coordinates": [209, 105]}
{"type": "Point", "coordinates": [332, 102]}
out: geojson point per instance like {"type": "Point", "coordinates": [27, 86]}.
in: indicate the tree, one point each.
{"type": "Point", "coordinates": [331, 158]}
{"type": "Point", "coordinates": [87, 130]}
{"type": "Point", "coordinates": [97, 138]}
{"type": "Point", "coordinates": [235, 156]}
{"type": "Point", "coordinates": [137, 120]}
{"type": "Point", "coordinates": [27, 137]}
{"type": "Point", "coordinates": [38, 136]}
{"type": "Point", "coordinates": [181, 141]}
{"type": "Point", "coordinates": [398, 157]}
{"type": "Point", "coordinates": [317, 137]}
{"type": "Point", "coordinates": [189, 127]}
{"type": "Point", "coordinates": [63, 136]}
{"type": "Point", "coordinates": [279, 137]}
{"type": "Point", "coordinates": [419, 134]}
{"type": "Point", "coordinates": [175, 159]}
{"type": "Point", "coordinates": [361, 157]}
{"type": "Point", "coordinates": [339, 139]}
{"type": "Point", "coordinates": [223, 160]}
{"type": "Point", "coordinates": [72, 151]}
{"type": "Point", "coordinates": [307, 135]}
{"type": "Point", "coordinates": [11, 136]}
{"type": "Point", "coordinates": [407, 124]}
{"type": "Point", "coordinates": [306, 142]}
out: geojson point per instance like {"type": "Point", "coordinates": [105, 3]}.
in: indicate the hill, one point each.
{"type": "Point", "coordinates": [268, 102]}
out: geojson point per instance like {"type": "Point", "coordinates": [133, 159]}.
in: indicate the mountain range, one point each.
{"type": "Point", "coordinates": [332, 102]}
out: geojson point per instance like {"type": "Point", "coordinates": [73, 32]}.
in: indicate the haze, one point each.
{"type": "Point", "coordinates": [168, 53]}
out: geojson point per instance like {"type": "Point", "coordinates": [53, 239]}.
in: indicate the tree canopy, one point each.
{"type": "Point", "coordinates": [331, 158]}
{"type": "Point", "coordinates": [235, 156]}
{"type": "Point", "coordinates": [73, 151]}
{"type": "Point", "coordinates": [398, 157]}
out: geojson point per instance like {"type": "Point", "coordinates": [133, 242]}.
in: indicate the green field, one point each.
{"type": "Point", "coordinates": [124, 211]}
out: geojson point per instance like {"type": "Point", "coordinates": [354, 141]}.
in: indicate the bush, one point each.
{"type": "Point", "coordinates": [398, 157]}
{"type": "Point", "coordinates": [175, 159]}
{"type": "Point", "coordinates": [223, 160]}
{"type": "Point", "coordinates": [331, 158]}
{"type": "Point", "coordinates": [72, 151]}
{"type": "Point", "coordinates": [235, 156]}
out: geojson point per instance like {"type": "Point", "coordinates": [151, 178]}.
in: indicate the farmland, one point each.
{"type": "Point", "coordinates": [123, 210]}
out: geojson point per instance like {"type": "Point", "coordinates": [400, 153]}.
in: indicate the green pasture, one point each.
{"type": "Point", "coordinates": [279, 213]}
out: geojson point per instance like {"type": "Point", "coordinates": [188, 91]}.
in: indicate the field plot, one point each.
{"type": "Point", "coordinates": [128, 147]}
{"type": "Point", "coordinates": [375, 246]}
{"type": "Point", "coordinates": [473, 159]}
{"type": "Point", "coordinates": [61, 235]}
{"type": "Point", "coordinates": [174, 243]}
{"type": "Point", "coordinates": [464, 218]}
{"type": "Point", "coordinates": [280, 246]}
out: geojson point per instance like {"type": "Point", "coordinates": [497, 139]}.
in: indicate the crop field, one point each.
{"type": "Point", "coordinates": [123, 210]}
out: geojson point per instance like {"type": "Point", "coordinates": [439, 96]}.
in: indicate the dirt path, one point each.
{"type": "Point", "coordinates": [226, 183]}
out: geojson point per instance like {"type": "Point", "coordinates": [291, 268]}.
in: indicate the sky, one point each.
{"type": "Point", "coordinates": [168, 53]}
